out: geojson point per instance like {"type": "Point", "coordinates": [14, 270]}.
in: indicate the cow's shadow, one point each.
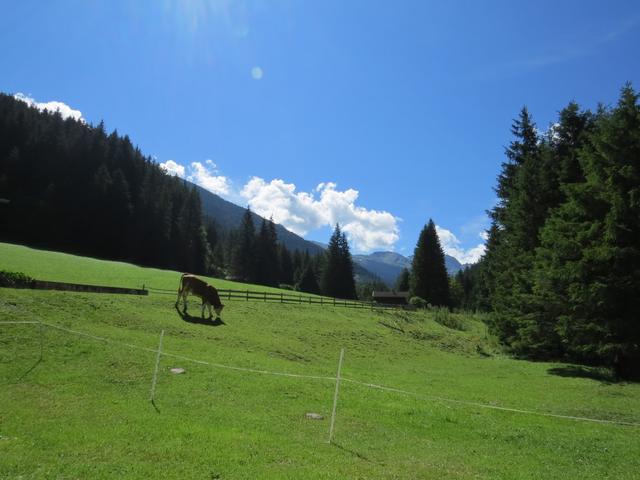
{"type": "Point", "coordinates": [211, 322]}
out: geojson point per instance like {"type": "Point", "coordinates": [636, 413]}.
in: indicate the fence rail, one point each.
{"type": "Point", "coordinates": [289, 298]}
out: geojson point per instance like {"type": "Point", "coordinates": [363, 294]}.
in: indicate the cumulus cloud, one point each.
{"type": "Point", "coordinates": [452, 246]}
{"type": "Point", "coordinates": [302, 212]}
{"type": "Point", "coordinates": [207, 176]}
{"type": "Point", "coordinates": [173, 168]}
{"type": "Point", "coordinates": [204, 174]}
{"type": "Point", "coordinates": [54, 106]}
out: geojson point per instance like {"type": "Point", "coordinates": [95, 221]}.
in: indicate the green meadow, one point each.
{"type": "Point", "coordinates": [75, 400]}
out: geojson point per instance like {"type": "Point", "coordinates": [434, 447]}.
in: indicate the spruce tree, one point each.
{"type": "Point", "coordinates": [286, 266]}
{"type": "Point", "coordinates": [403, 281]}
{"type": "Point", "coordinates": [337, 276]}
{"type": "Point", "coordinates": [266, 254]}
{"type": "Point", "coordinates": [587, 267]}
{"type": "Point", "coordinates": [429, 278]}
{"type": "Point", "coordinates": [243, 264]}
{"type": "Point", "coordinates": [308, 281]}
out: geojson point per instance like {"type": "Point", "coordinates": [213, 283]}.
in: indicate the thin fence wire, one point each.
{"type": "Point", "coordinates": [344, 379]}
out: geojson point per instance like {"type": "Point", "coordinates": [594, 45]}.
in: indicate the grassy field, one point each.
{"type": "Point", "coordinates": [83, 411]}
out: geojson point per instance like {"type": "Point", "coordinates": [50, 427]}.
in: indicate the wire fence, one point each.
{"type": "Point", "coordinates": [433, 398]}
{"type": "Point", "coordinates": [288, 298]}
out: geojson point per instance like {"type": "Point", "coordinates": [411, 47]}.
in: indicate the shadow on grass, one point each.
{"type": "Point", "coordinates": [24, 374]}
{"type": "Point", "coordinates": [352, 452]}
{"type": "Point", "coordinates": [202, 321]}
{"type": "Point", "coordinates": [594, 373]}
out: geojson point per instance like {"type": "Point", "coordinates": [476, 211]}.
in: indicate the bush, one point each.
{"type": "Point", "coordinates": [418, 302]}
{"type": "Point", "coordinates": [15, 280]}
{"type": "Point", "coordinates": [444, 317]}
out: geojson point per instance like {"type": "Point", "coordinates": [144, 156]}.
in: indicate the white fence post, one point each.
{"type": "Point", "coordinates": [335, 396]}
{"type": "Point", "coordinates": [155, 373]}
{"type": "Point", "coordinates": [41, 340]}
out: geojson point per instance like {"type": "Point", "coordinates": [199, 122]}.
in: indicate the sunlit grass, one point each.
{"type": "Point", "coordinates": [84, 410]}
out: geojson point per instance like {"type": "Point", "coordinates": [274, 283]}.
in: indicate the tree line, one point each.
{"type": "Point", "coordinates": [71, 186]}
{"type": "Point", "coordinates": [561, 272]}
{"type": "Point", "coordinates": [252, 254]}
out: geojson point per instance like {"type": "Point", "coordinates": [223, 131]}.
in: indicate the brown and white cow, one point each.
{"type": "Point", "coordinates": [209, 295]}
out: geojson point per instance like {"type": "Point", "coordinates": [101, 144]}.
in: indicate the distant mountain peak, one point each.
{"type": "Point", "coordinates": [388, 265]}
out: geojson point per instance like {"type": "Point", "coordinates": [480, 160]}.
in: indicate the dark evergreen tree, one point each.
{"type": "Point", "coordinates": [337, 276]}
{"type": "Point", "coordinates": [308, 281]}
{"type": "Point", "coordinates": [403, 281]}
{"type": "Point", "coordinates": [266, 252]}
{"type": "Point", "coordinates": [587, 270]}
{"type": "Point", "coordinates": [286, 266]}
{"type": "Point", "coordinates": [297, 265]}
{"type": "Point", "coordinates": [243, 264]}
{"type": "Point", "coordinates": [429, 278]}
{"type": "Point", "coordinates": [365, 290]}
{"type": "Point", "coordinates": [73, 187]}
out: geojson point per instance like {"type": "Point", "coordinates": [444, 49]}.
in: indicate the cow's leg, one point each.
{"type": "Point", "coordinates": [203, 305]}
{"type": "Point", "coordinates": [184, 300]}
{"type": "Point", "coordinates": [179, 295]}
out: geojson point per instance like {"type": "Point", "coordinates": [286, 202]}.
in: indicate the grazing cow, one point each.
{"type": "Point", "coordinates": [209, 295]}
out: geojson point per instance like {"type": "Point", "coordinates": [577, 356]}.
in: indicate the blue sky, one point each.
{"type": "Point", "coordinates": [379, 115]}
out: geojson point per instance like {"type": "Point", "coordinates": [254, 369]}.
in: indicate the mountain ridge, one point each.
{"type": "Point", "coordinates": [388, 265]}
{"type": "Point", "coordinates": [228, 216]}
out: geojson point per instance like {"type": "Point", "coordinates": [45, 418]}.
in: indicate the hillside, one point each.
{"type": "Point", "coordinates": [83, 410]}
{"type": "Point", "coordinates": [228, 215]}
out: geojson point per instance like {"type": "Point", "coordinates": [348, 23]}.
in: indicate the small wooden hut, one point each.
{"type": "Point", "coordinates": [391, 298]}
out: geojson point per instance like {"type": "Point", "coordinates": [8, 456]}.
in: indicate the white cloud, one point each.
{"type": "Point", "coordinates": [207, 177]}
{"type": "Point", "coordinates": [65, 110]}
{"type": "Point", "coordinates": [173, 168]}
{"type": "Point", "coordinates": [452, 246]}
{"type": "Point", "coordinates": [204, 174]}
{"type": "Point", "coordinates": [302, 212]}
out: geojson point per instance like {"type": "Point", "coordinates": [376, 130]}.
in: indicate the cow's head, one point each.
{"type": "Point", "coordinates": [214, 299]}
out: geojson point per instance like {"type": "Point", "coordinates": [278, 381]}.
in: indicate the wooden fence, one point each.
{"type": "Point", "coordinates": [288, 298]}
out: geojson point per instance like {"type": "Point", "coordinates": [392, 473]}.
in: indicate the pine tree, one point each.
{"type": "Point", "coordinates": [266, 253]}
{"type": "Point", "coordinates": [429, 278]}
{"type": "Point", "coordinates": [243, 265]}
{"type": "Point", "coordinates": [587, 267]}
{"type": "Point", "coordinates": [337, 276]}
{"type": "Point", "coordinates": [403, 281]}
{"type": "Point", "coordinates": [286, 266]}
{"type": "Point", "coordinates": [308, 282]}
